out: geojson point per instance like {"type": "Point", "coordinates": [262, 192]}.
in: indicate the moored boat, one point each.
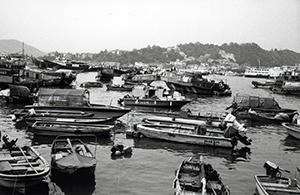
{"type": "Point", "coordinates": [157, 94]}
{"type": "Point", "coordinates": [267, 84]}
{"type": "Point", "coordinates": [288, 88]}
{"type": "Point", "coordinates": [70, 100]}
{"type": "Point", "coordinates": [272, 117]}
{"type": "Point", "coordinates": [242, 103]}
{"type": "Point", "coordinates": [56, 128]}
{"type": "Point", "coordinates": [23, 114]}
{"type": "Point", "coordinates": [199, 135]}
{"type": "Point", "coordinates": [119, 87]}
{"type": "Point", "coordinates": [91, 84]}
{"type": "Point", "coordinates": [292, 129]}
{"type": "Point", "coordinates": [195, 83]}
{"type": "Point", "coordinates": [221, 124]}
{"type": "Point", "coordinates": [195, 177]}
{"type": "Point", "coordinates": [274, 183]}
{"type": "Point", "coordinates": [69, 154]}
{"type": "Point", "coordinates": [22, 168]}
{"type": "Point", "coordinates": [29, 121]}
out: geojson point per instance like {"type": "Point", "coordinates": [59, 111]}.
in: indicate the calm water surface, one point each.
{"type": "Point", "coordinates": [151, 167]}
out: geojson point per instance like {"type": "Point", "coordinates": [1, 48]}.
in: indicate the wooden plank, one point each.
{"type": "Point", "coordinates": [25, 164]}
{"type": "Point", "coordinates": [16, 158]}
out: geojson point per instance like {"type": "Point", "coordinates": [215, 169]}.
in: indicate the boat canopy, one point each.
{"type": "Point", "coordinates": [19, 91]}
{"type": "Point", "coordinates": [63, 97]}
{"type": "Point", "coordinates": [248, 101]}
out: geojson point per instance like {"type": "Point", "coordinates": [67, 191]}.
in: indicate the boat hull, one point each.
{"type": "Point", "coordinates": [171, 134]}
{"type": "Point", "coordinates": [292, 129]}
{"type": "Point", "coordinates": [31, 120]}
{"type": "Point", "coordinates": [56, 128]}
{"type": "Point", "coordinates": [283, 187]}
{"type": "Point", "coordinates": [98, 111]}
{"type": "Point", "coordinates": [272, 118]}
{"type": "Point", "coordinates": [190, 88]}
{"type": "Point", "coordinates": [286, 90]}
{"type": "Point", "coordinates": [194, 177]}
{"type": "Point", "coordinates": [154, 103]}
{"type": "Point", "coordinates": [66, 159]}
{"type": "Point", "coordinates": [24, 176]}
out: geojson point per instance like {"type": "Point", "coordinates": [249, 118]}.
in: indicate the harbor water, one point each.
{"type": "Point", "coordinates": [151, 167]}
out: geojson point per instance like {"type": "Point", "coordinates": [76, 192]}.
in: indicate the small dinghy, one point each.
{"type": "Point", "coordinates": [50, 128]}
{"type": "Point", "coordinates": [274, 183]}
{"type": "Point", "coordinates": [69, 154]}
{"type": "Point", "coordinates": [21, 167]}
{"type": "Point", "coordinates": [292, 129]}
{"type": "Point", "coordinates": [195, 177]}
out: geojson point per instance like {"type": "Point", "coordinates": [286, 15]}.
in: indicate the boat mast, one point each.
{"type": "Point", "coordinates": [23, 51]}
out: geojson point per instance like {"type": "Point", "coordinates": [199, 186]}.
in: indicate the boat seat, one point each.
{"type": "Point", "coordinates": [275, 185]}
{"type": "Point", "coordinates": [25, 164]}
{"type": "Point", "coordinates": [215, 186]}
{"type": "Point", "coordinates": [7, 167]}
{"type": "Point", "coordinates": [285, 190]}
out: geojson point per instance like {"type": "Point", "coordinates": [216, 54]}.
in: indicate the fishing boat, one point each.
{"type": "Point", "coordinates": [17, 94]}
{"type": "Point", "coordinates": [272, 117]}
{"type": "Point", "coordinates": [188, 82]}
{"type": "Point", "coordinates": [267, 84]}
{"type": "Point", "coordinates": [274, 183]}
{"type": "Point", "coordinates": [195, 177]}
{"type": "Point", "coordinates": [243, 102]}
{"type": "Point", "coordinates": [157, 94]}
{"type": "Point", "coordinates": [217, 123]}
{"type": "Point", "coordinates": [21, 168]}
{"type": "Point", "coordinates": [31, 120]}
{"type": "Point", "coordinates": [288, 88]}
{"type": "Point", "coordinates": [55, 128]}
{"type": "Point", "coordinates": [73, 100]}
{"type": "Point", "coordinates": [292, 129]}
{"type": "Point", "coordinates": [23, 114]}
{"type": "Point", "coordinates": [90, 84]}
{"type": "Point", "coordinates": [123, 87]}
{"type": "Point", "coordinates": [287, 83]}
{"type": "Point", "coordinates": [199, 135]}
{"type": "Point", "coordinates": [69, 154]}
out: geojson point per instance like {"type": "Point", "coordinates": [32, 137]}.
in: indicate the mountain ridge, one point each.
{"type": "Point", "coordinates": [8, 46]}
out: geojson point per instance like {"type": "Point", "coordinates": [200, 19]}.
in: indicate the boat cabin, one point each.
{"type": "Point", "coordinates": [63, 97]}
{"type": "Point", "coordinates": [158, 89]}
{"type": "Point", "coordinates": [249, 101]}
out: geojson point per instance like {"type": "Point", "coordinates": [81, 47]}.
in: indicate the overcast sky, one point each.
{"type": "Point", "coordinates": [96, 25]}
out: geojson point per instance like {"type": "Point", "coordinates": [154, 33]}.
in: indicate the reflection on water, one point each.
{"type": "Point", "coordinates": [40, 189]}
{"type": "Point", "coordinates": [292, 143]}
{"type": "Point", "coordinates": [40, 139]}
{"type": "Point", "coordinates": [81, 182]}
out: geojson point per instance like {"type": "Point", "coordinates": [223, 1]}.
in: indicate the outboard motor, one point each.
{"type": "Point", "coordinates": [272, 169]}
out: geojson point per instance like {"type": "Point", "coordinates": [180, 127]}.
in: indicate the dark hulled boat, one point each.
{"type": "Point", "coordinates": [195, 83]}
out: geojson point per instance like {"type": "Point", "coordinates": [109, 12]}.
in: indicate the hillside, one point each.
{"type": "Point", "coordinates": [249, 54]}
{"type": "Point", "coordinates": [8, 46]}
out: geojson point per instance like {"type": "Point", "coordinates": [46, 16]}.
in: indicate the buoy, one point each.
{"type": "Point", "coordinates": [118, 153]}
